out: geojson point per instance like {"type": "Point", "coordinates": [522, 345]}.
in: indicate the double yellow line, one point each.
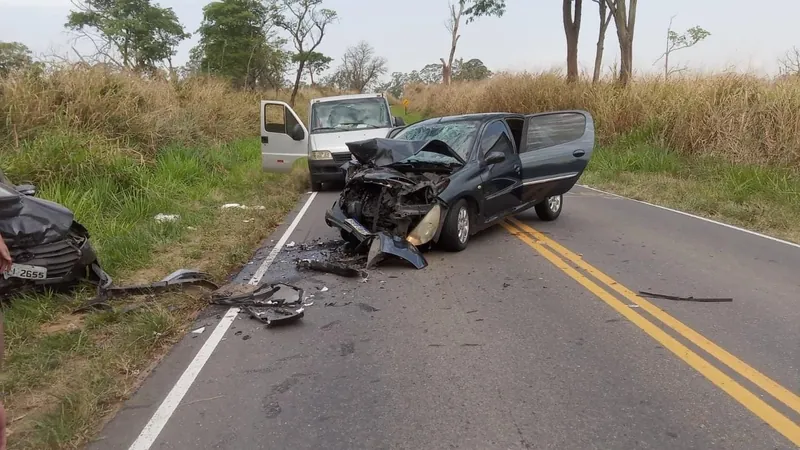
{"type": "Point", "coordinates": [561, 257]}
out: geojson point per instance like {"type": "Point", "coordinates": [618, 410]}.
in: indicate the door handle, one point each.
{"type": "Point", "coordinates": [516, 167]}
{"type": "Point", "coordinates": [578, 153]}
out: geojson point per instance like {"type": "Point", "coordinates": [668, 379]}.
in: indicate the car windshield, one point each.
{"type": "Point", "coordinates": [458, 135]}
{"type": "Point", "coordinates": [350, 114]}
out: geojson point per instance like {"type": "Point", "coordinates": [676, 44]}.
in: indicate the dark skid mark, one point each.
{"type": "Point", "coordinates": [348, 348]}
{"type": "Point", "coordinates": [272, 409]}
{"type": "Point", "coordinates": [472, 345]}
{"type": "Point", "coordinates": [367, 308]}
{"type": "Point", "coordinates": [330, 324]}
{"type": "Point", "coordinates": [287, 384]}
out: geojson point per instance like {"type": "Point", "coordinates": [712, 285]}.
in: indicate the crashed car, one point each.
{"type": "Point", "coordinates": [48, 247]}
{"type": "Point", "coordinates": [444, 179]}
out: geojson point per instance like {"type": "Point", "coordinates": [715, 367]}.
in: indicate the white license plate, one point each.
{"type": "Point", "coordinates": [27, 272]}
{"type": "Point", "coordinates": [360, 228]}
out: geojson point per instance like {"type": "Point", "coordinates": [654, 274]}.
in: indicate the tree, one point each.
{"type": "Point", "coordinates": [130, 33]}
{"type": "Point", "coordinates": [677, 42]}
{"type": "Point", "coordinates": [305, 22]}
{"type": "Point", "coordinates": [572, 28]}
{"type": "Point", "coordinates": [472, 70]}
{"type": "Point", "coordinates": [624, 15]}
{"type": "Point", "coordinates": [14, 56]}
{"type": "Point", "coordinates": [395, 85]}
{"type": "Point", "coordinates": [605, 20]}
{"type": "Point", "coordinates": [788, 65]}
{"type": "Point", "coordinates": [471, 10]}
{"type": "Point", "coordinates": [360, 68]}
{"type": "Point", "coordinates": [237, 41]}
{"type": "Point", "coordinates": [315, 63]}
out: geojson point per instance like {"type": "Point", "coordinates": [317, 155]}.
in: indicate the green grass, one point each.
{"type": "Point", "coordinates": [64, 373]}
{"type": "Point", "coordinates": [409, 117]}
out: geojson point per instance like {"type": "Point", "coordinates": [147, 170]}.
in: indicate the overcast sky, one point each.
{"type": "Point", "coordinates": [410, 33]}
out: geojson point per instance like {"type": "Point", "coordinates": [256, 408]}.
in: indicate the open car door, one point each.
{"type": "Point", "coordinates": [284, 138]}
{"type": "Point", "coordinates": [556, 147]}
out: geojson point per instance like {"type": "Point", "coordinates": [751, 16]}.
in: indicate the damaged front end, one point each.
{"type": "Point", "coordinates": [48, 247]}
{"type": "Point", "coordinates": [390, 201]}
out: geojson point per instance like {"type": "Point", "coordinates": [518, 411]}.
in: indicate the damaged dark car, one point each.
{"type": "Point", "coordinates": [441, 180]}
{"type": "Point", "coordinates": [49, 248]}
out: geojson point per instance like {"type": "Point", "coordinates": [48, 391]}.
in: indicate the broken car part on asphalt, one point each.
{"type": "Point", "coordinates": [686, 299]}
{"type": "Point", "coordinates": [271, 304]}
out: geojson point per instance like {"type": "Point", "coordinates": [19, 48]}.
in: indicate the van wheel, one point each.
{"type": "Point", "coordinates": [316, 186]}
{"type": "Point", "coordinates": [457, 227]}
{"type": "Point", "coordinates": [550, 208]}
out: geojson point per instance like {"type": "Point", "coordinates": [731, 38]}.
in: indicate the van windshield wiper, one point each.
{"type": "Point", "coordinates": [323, 128]}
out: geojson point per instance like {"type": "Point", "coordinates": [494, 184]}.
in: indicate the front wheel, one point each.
{"type": "Point", "coordinates": [316, 186]}
{"type": "Point", "coordinates": [456, 227]}
{"type": "Point", "coordinates": [550, 208]}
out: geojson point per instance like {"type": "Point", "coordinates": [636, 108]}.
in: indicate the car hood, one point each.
{"type": "Point", "coordinates": [382, 152]}
{"type": "Point", "coordinates": [337, 142]}
{"type": "Point", "coordinates": [26, 221]}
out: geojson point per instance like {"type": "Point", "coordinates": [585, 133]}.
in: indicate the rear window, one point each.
{"type": "Point", "coordinates": [350, 114]}
{"type": "Point", "coordinates": [550, 130]}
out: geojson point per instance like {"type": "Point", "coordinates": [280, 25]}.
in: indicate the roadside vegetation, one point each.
{"type": "Point", "coordinates": [724, 146]}
{"type": "Point", "coordinates": [118, 150]}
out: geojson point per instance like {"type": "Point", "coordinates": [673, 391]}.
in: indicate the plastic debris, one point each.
{"type": "Point", "coordinates": [166, 217]}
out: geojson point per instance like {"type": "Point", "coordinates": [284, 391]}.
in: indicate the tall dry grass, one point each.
{"type": "Point", "coordinates": [129, 111]}
{"type": "Point", "coordinates": [741, 118]}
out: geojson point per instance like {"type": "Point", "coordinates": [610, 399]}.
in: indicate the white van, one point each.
{"type": "Point", "coordinates": [333, 122]}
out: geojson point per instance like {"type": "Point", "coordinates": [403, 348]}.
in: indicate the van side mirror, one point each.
{"type": "Point", "coordinates": [297, 132]}
{"type": "Point", "coordinates": [495, 157]}
{"type": "Point", "coordinates": [399, 122]}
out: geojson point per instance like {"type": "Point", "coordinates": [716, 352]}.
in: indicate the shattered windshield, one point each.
{"type": "Point", "coordinates": [350, 114]}
{"type": "Point", "coordinates": [458, 135]}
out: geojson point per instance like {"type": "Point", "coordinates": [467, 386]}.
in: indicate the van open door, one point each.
{"type": "Point", "coordinates": [284, 138]}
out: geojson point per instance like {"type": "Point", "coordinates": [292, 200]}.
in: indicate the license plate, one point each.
{"type": "Point", "coordinates": [27, 272]}
{"type": "Point", "coordinates": [358, 227]}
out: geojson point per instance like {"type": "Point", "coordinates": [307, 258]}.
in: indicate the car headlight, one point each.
{"type": "Point", "coordinates": [321, 154]}
{"type": "Point", "coordinates": [426, 228]}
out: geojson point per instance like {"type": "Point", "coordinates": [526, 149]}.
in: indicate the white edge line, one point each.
{"type": "Point", "coordinates": [705, 219]}
{"type": "Point", "coordinates": [159, 419]}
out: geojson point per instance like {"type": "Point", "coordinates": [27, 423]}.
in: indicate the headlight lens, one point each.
{"type": "Point", "coordinates": [321, 154]}
{"type": "Point", "coordinates": [426, 228]}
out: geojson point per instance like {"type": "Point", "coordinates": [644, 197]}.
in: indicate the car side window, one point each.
{"type": "Point", "coordinates": [495, 138]}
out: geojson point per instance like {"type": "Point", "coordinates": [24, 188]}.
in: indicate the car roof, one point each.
{"type": "Point", "coordinates": [482, 117]}
{"type": "Point", "coordinates": [345, 97]}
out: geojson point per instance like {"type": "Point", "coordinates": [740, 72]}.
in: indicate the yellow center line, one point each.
{"type": "Point", "coordinates": [749, 400]}
{"type": "Point", "coordinates": [784, 395]}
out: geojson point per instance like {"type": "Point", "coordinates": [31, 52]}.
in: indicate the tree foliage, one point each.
{"type": "Point", "coordinates": [470, 10]}
{"type": "Point", "coordinates": [237, 41]}
{"type": "Point", "coordinates": [14, 56]}
{"type": "Point", "coordinates": [483, 8]}
{"type": "Point", "coordinates": [676, 42]}
{"type": "Point", "coordinates": [360, 68]}
{"type": "Point", "coordinates": [306, 22]}
{"type": "Point", "coordinates": [134, 34]}
{"type": "Point", "coordinates": [315, 63]}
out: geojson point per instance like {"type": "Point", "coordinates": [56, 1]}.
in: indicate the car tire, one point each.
{"type": "Point", "coordinates": [550, 208]}
{"type": "Point", "coordinates": [316, 186]}
{"type": "Point", "coordinates": [457, 227]}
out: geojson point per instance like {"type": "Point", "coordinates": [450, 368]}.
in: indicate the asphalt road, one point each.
{"type": "Point", "coordinates": [506, 345]}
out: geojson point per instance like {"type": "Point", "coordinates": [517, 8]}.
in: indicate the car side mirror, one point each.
{"type": "Point", "coordinates": [27, 189]}
{"type": "Point", "coordinates": [495, 157]}
{"type": "Point", "coordinates": [297, 132]}
{"type": "Point", "coordinates": [399, 122]}
{"type": "Point", "coordinates": [394, 132]}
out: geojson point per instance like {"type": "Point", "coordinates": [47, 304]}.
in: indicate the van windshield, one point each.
{"type": "Point", "coordinates": [350, 114]}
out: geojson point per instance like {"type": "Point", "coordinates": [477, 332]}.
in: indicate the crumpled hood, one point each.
{"type": "Point", "coordinates": [27, 221]}
{"type": "Point", "coordinates": [383, 152]}
{"type": "Point", "coordinates": [335, 142]}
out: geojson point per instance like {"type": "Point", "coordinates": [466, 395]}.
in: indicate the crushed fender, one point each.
{"type": "Point", "coordinates": [384, 245]}
{"type": "Point", "coordinates": [270, 304]}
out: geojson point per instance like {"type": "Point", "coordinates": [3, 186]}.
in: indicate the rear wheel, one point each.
{"type": "Point", "coordinates": [316, 186]}
{"type": "Point", "coordinates": [457, 227]}
{"type": "Point", "coordinates": [550, 208]}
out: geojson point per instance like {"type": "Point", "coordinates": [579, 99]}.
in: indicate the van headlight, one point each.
{"type": "Point", "coordinates": [426, 228]}
{"type": "Point", "coordinates": [321, 154]}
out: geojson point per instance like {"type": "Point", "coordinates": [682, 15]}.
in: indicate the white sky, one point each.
{"type": "Point", "coordinates": [530, 36]}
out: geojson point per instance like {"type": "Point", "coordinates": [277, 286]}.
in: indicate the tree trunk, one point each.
{"type": "Point", "coordinates": [300, 68]}
{"type": "Point", "coordinates": [625, 21]}
{"type": "Point", "coordinates": [626, 62]}
{"type": "Point", "coordinates": [605, 19]}
{"type": "Point", "coordinates": [455, 22]}
{"type": "Point", "coordinates": [572, 28]}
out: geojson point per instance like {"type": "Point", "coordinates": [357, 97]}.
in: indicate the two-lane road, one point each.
{"type": "Point", "coordinates": [533, 337]}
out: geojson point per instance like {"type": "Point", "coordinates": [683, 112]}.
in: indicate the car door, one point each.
{"type": "Point", "coordinates": [501, 181]}
{"type": "Point", "coordinates": [284, 138]}
{"type": "Point", "coordinates": [556, 147]}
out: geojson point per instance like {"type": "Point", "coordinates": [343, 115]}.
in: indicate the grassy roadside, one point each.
{"type": "Point", "coordinates": [64, 374]}
{"type": "Point", "coordinates": [757, 197]}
